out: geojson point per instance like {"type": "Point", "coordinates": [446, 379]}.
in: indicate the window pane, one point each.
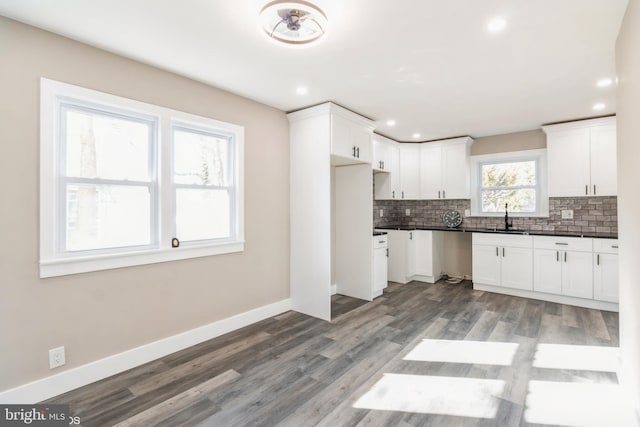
{"type": "Point", "coordinates": [107, 216]}
{"type": "Point", "coordinates": [103, 146]}
{"type": "Point", "coordinates": [509, 174]}
{"type": "Point", "coordinates": [523, 200]}
{"type": "Point", "coordinates": [202, 214]}
{"type": "Point", "coordinates": [200, 158]}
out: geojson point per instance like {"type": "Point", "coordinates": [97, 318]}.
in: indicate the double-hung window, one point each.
{"type": "Point", "coordinates": [127, 183]}
{"type": "Point", "coordinates": [514, 180]}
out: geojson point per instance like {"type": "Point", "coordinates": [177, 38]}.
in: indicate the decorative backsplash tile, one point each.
{"type": "Point", "coordinates": [590, 215]}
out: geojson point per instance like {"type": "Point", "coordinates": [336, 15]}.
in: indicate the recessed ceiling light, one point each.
{"type": "Point", "coordinates": [599, 106]}
{"type": "Point", "coordinates": [391, 123]}
{"type": "Point", "coordinates": [416, 135]}
{"type": "Point", "coordinates": [496, 25]}
{"type": "Point", "coordinates": [301, 90]}
{"type": "Point", "coordinates": [604, 82]}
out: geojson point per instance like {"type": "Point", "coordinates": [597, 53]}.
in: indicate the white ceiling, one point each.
{"type": "Point", "coordinates": [429, 64]}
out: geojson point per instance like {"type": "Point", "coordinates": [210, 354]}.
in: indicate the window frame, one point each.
{"type": "Point", "coordinates": [539, 156]}
{"type": "Point", "coordinates": [54, 259]}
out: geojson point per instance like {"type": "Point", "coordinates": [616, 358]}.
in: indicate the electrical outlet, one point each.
{"type": "Point", "coordinates": [567, 214]}
{"type": "Point", "coordinates": [381, 212]}
{"type": "Point", "coordinates": [467, 212]}
{"type": "Point", "coordinates": [56, 357]}
{"type": "Point", "coordinates": [407, 212]}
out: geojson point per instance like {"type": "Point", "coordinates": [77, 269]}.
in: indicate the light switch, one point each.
{"type": "Point", "coordinates": [407, 212]}
{"type": "Point", "coordinates": [381, 212]}
{"type": "Point", "coordinates": [467, 212]}
{"type": "Point", "coordinates": [567, 214]}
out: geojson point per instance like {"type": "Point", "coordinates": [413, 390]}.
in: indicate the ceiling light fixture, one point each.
{"type": "Point", "coordinates": [293, 23]}
{"type": "Point", "coordinates": [496, 25]}
{"type": "Point", "coordinates": [391, 123]}
{"type": "Point", "coordinates": [599, 106]}
{"type": "Point", "coordinates": [301, 90]}
{"type": "Point", "coordinates": [416, 135]}
{"type": "Point", "coordinates": [604, 82]}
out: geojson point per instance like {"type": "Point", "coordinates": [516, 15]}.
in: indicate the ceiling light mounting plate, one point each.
{"type": "Point", "coordinates": [293, 23]}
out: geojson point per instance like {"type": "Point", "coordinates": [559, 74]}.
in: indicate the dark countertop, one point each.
{"type": "Point", "coordinates": [498, 231]}
{"type": "Point", "coordinates": [379, 233]}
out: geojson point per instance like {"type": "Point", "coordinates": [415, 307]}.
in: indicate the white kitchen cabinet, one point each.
{"type": "Point", "coordinates": [605, 270]}
{"type": "Point", "coordinates": [380, 268]}
{"type": "Point", "coordinates": [415, 255]}
{"type": "Point", "coordinates": [563, 266]}
{"type": "Point", "coordinates": [444, 169]}
{"type": "Point", "coordinates": [350, 137]}
{"type": "Point", "coordinates": [331, 222]}
{"type": "Point", "coordinates": [387, 174]}
{"type": "Point", "coordinates": [502, 260]}
{"type": "Point", "coordinates": [409, 155]}
{"type": "Point", "coordinates": [581, 158]}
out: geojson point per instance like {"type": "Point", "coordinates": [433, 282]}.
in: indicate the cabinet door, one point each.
{"type": "Point", "coordinates": [379, 270]}
{"type": "Point", "coordinates": [486, 265]}
{"type": "Point", "coordinates": [603, 161]}
{"type": "Point", "coordinates": [411, 253]}
{"type": "Point", "coordinates": [423, 241]}
{"type": "Point", "coordinates": [455, 171]}
{"type": "Point", "coordinates": [387, 184]}
{"type": "Point", "coordinates": [409, 171]}
{"type": "Point", "coordinates": [361, 138]}
{"type": "Point", "coordinates": [516, 269]}
{"type": "Point", "coordinates": [577, 274]}
{"type": "Point", "coordinates": [341, 142]}
{"type": "Point", "coordinates": [381, 156]}
{"type": "Point", "coordinates": [397, 262]}
{"type": "Point", "coordinates": [605, 277]}
{"type": "Point", "coordinates": [547, 271]}
{"type": "Point", "coordinates": [568, 163]}
{"type": "Point", "coordinates": [431, 171]}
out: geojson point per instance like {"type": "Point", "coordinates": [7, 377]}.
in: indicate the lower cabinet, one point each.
{"type": "Point", "coordinates": [414, 255]}
{"type": "Point", "coordinates": [502, 260]}
{"type": "Point", "coordinates": [569, 270]}
{"type": "Point", "coordinates": [380, 255]}
{"type": "Point", "coordinates": [605, 270]}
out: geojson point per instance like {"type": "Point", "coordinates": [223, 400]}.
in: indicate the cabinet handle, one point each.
{"type": "Point", "coordinates": [380, 241]}
{"type": "Point", "coordinates": [403, 194]}
{"type": "Point", "coordinates": [614, 246]}
{"type": "Point", "coordinates": [562, 244]}
{"type": "Point", "coordinates": [586, 190]}
{"type": "Point", "coordinates": [598, 259]}
{"type": "Point", "coordinates": [387, 252]}
{"type": "Point", "coordinates": [383, 164]}
{"type": "Point", "coordinates": [411, 235]}
{"type": "Point", "coordinates": [557, 256]}
{"type": "Point", "coordinates": [594, 189]}
{"type": "Point", "coordinates": [565, 257]}
{"type": "Point", "coordinates": [358, 152]}
{"type": "Point", "coordinates": [393, 194]}
{"type": "Point", "coordinates": [438, 194]}
{"type": "Point", "coordinates": [443, 195]}
{"type": "Point", "coordinates": [353, 151]}
{"type": "Point", "coordinates": [502, 252]}
{"type": "Point", "coordinates": [497, 254]}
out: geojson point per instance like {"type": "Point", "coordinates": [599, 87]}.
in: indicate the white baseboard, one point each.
{"type": "Point", "coordinates": [334, 289]}
{"type": "Point", "coordinates": [63, 382]}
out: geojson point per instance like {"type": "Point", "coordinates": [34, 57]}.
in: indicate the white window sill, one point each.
{"type": "Point", "coordinates": [75, 265]}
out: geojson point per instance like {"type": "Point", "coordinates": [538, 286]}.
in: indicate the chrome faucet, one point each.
{"type": "Point", "coordinates": [507, 224]}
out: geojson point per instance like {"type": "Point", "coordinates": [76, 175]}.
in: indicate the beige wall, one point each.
{"type": "Point", "coordinates": [518, 141]}
{"type": "Point", "coordinates": [628, 128]}
{"type": "Point", "coordinates": [98, 314]}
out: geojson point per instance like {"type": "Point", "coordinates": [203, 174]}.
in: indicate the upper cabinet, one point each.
{"type": "Point", "coordinates": [350, 137]}
{"type": "Point", "coordinates": [409, 171]}
{"type": "Point", "coordinates": [444, 169]}
{"type": "Point", "coordinates": [581, 158]}
{"type": "Point", "coordinates": [386, 164]}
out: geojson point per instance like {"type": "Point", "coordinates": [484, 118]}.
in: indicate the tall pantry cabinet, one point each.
{"type": "Point", "coordinates": [330, 242]}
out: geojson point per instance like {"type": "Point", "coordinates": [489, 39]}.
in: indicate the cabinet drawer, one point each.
{"type": "Point", "coordinates": [380, 241]}
{"type": "Point", "coordinates": [563, 243]}
{"type": "Point", "coordinates": [502, 240]}
{"type": "Point", "coordinates": [605, 246]}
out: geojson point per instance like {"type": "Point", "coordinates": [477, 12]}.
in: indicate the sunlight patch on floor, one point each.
{"type": "Point", "coordinates": [577, 404]}
{"type": "Point", "coordinates": [576, 357]}
{"type": "Point", "coordinates": [456, 351]}
{"type": "Point", "coordinates": [465, 397]}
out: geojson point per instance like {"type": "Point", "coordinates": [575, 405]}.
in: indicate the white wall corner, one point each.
{"type": "Point", "coordinates": [334, 289]}
{"type": "Point", "coordinates": [71, 379]}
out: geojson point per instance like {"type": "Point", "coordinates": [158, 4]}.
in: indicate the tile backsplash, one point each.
{"type": "Point", "coordinates": [590, 215]}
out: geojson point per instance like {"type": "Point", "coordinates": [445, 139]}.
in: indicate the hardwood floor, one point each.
{"type": "Point", "coordinates": [420, 355]}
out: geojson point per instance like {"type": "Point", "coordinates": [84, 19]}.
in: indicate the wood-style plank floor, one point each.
{"type": "Point", "coordinates": [420, 355]}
